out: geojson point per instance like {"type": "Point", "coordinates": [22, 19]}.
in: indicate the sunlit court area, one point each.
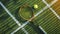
{"type": "Point", "coordinates": [29, 16]}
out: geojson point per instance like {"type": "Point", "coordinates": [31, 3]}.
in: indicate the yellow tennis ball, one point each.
{"type": "Point", "coordinates": [35, 6]}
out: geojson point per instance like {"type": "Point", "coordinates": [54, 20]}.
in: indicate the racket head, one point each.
{"type": "Point", "coordinates": [26, 12]}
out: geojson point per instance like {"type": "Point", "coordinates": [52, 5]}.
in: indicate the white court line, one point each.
{"type": "Point", "coordinates": [43, 30]}
{"type": "Point", "coordinates": [10, 14]}
{"type": "Point", "coordinates": [52, 9]}
{"type": "Point", "coordinates": [12, 17]}
{"type": "Point", "coordinates": [46, 7]}
{"type": "Point", "coordinates": [20, 27]}
{"type": "Point", "coordinates": [34, 16]}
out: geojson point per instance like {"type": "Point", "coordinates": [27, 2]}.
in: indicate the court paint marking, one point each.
{"type": "Point", "coordinates": [42, 29]}
{"type": "Point", "coordinates": [52, 9]}
{"type": "Point", "coordinates": [35, 16]}
{"type": "Point", "coordinates": [17, 22]}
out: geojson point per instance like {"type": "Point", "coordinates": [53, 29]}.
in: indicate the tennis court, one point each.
{"type": "Point", "coordinates": [46, 19]}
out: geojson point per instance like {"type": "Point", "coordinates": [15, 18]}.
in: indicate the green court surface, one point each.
{"type": "Point", "coordinates": [47, 20]}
